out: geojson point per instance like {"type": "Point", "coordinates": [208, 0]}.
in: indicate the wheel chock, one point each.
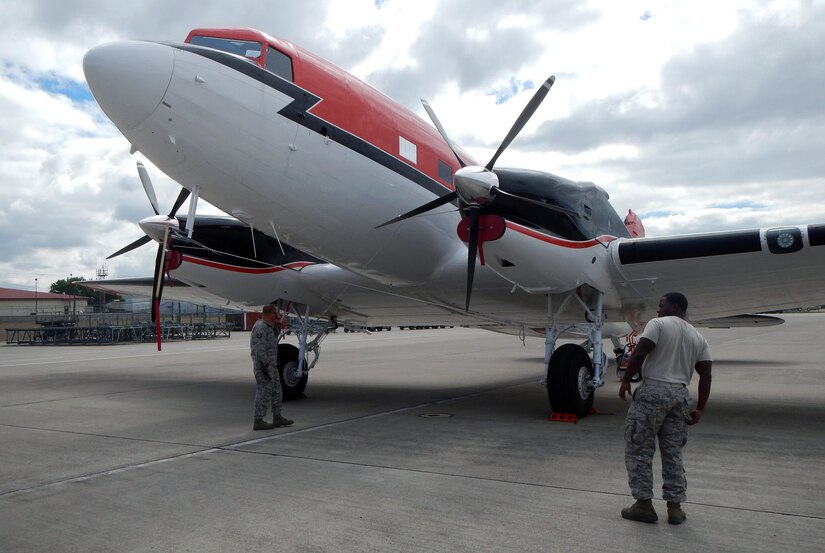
{"type": "Point", "coordinates": [563, 417]}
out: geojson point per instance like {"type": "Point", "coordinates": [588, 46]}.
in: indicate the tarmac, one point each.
{"type": "Point", "coordinates": [432, 440]}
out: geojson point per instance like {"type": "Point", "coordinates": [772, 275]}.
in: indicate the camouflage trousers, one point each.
{"type": "Point", "coordinates": [267, 393]}
{"type": "Point", "coordinates": [659, 410]}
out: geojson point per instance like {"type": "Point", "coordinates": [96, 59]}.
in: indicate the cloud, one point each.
{"type": "Point", "coordinates": [468, 45]}
{"type": "Point", "coordinates": [728, 111]}
{"type": "Point", "coordinates": [696, 121]}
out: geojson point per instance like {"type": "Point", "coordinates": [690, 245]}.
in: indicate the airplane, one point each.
{"type": "Point", "coordinates": [308, 155]}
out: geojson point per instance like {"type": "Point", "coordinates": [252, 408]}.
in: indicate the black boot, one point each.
{"type": "Point", "coordinates": [278, 420]}
{"type": "Point", "coordinates": [675, 514]}
{"type": "Point", "coordinates": [261, 424]}
{"type": "Point", "coordinates": [641, 511]}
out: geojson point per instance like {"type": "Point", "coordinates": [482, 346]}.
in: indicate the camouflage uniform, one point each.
{"type": "Point", "coordinates": [659, 409]}
{"type": "Point", "coordinates": [264, 350]}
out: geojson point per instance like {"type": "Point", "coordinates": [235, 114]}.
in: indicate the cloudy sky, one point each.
{"type": "Point", "coordinates": [699, 115]}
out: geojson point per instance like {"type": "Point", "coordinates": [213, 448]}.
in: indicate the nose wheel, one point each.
{"type": "Point", "coordinates": [571, 374]}
{"type": "Point", "coordinates": [293, 378]}
{"type": "Point", "coordinates": [570, 381]}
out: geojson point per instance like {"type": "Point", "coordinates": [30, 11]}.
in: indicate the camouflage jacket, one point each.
{"type": "Point", "coordinates": [263, 344]}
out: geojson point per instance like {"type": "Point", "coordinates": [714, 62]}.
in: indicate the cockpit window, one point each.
{"type": "Point", "coordinates": [245, 48]}
{"type": "Point", "coordinates": [278, 63]}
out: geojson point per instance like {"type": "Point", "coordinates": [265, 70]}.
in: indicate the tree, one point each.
{"type": "Point", "coordinates": [70, 286]}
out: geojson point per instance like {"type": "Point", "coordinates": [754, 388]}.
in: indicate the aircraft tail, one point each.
{"type": "Point", "coordinates": [634, 224]}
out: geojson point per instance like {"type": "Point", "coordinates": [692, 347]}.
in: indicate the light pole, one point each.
{"type": "Point", "coordinates": [35, 298]}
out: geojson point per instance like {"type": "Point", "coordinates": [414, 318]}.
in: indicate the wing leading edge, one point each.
{"type": "Point", "coordinates": [724, 274]}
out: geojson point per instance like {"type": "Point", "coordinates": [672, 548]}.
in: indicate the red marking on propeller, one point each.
{"type": "Point", "coordinates": [173, 260]}
{"type": "Point", "coordinates": [490, 227]}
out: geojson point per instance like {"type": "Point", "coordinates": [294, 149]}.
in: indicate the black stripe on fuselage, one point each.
{"type": "Point", "coordinates": [816, 235]}
{"type": "Point", "coordinates": [298, 111]}
{"type": "Point", "coordinates": [646, 250]}
{"type": "Point", "coordinates": [230, 242]}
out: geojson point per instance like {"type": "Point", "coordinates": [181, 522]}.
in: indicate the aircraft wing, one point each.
{"type": "Point", "coordinates": [176, 290]}
{"type": "Point", "coordinates": [723, 274]}
{"type": "Point", "coordinates": [740, 321]}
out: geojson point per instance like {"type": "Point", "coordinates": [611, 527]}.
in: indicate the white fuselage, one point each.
{"type": "Point", "coordinates": [211, 125]}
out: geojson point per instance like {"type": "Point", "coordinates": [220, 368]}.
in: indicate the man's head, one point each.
{"type": "Point", "coordinates": [270, 314]}
{"type": "Point", "coordinates": [673, 304]}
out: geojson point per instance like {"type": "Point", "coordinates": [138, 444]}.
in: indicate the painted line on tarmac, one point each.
{"type": "Point", "coordinates": [63, 361]}
{"type": "Point", "coordinates": [371, 416]}
{"type": "Point", "coordinates": [232, 448]}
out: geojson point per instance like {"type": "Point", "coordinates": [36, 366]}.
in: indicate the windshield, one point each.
{"type": "Point", "coordinates": [594, 214]}
{"type": "Point", "coordinates": [245, 48]}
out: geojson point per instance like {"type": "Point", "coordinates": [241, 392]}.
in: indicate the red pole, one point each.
{"type": "Point", "coordinates": [157, 321]}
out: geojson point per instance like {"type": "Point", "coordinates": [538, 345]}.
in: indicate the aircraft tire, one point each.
{"type": "Point", "coordinates": [292, 386]}
{"type": "Point", "coordinates": [570, 369]}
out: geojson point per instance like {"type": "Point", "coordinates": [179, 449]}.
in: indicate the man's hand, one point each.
{"type": "Point", "coordinates": [624, 388]}
{"type": "Point", "coordinates": [634, 364]}
{"type": "Point", "coordinates": [695, 416]}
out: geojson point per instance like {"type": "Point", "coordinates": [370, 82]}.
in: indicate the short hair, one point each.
{"type": "Point", "coordinates": [269, 308]}
{"type": "Point", "coordinates": [677, 299]}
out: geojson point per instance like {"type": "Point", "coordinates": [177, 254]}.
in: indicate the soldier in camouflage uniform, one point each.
{"type": "Point", "coordinates": [264, 350]}
{"type": "Point", "coordinates": [668, 352]}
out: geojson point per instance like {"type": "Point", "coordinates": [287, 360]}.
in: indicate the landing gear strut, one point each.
{"type": "Point", "coordinates": [623, 356]}
{"type": "Point", "coordinates": [570, 374]}
{"type": "Point", "coordinates": [292, 361]}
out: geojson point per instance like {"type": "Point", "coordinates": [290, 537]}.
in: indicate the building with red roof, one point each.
{"type": "Point", "coordinates": [20, 303]}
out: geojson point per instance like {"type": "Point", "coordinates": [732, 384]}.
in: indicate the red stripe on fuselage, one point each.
{"type": "Point", "coordinates": [603, 239]}
{"type": "Point", "coordinates": [248, 270]}
{"type": "Point", "coordinates": [354, 106]}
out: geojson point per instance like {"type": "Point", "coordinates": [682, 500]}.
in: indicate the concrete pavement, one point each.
{"type": "Point", "coordinates": [407, 441]}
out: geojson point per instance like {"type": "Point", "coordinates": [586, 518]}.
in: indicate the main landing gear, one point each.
{"type": "Point", "coordinates": [292, 361]}
{"type": "Point", "coordinates": [623, 354]}
{"type": "Point", "coordinates": [571, 374]}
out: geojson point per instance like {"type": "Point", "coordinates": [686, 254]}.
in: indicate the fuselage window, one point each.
{"type": "Point", "coordinates": [445, 172]}
{"type": "Point", "coordinates": [245, 48]}
{"type": "Point", "coordinates": [278, 63]}
{"type": "Point", "coordinates": [407, 149]}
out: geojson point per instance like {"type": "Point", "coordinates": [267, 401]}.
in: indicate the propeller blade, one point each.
{"type": "Point", "coordinates": [472, 251]}
{"type": "Point", "coordinates": [184, 193]}
{"type": "Point", "coordinates": [447, 198]}
{"type": "Point", "coordinates": [157, 282]}
{"type": "Point", "coordinates": [525, 116]}
{"type": "Point", "coordinates": [441, 131]}
{"type": "Point", "coordinates": [499, 193]}
{"type": "Point", "coordinates": [147, 186]}
{"type": "Point", "coordinates": [136, 244]}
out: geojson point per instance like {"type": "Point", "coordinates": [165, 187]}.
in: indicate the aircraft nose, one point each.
{"type": "Point", "coordinates": [128, 79]}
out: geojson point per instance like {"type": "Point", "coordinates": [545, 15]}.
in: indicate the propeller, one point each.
{"type": "Point", "coordinates": [441, 130]}
{"type": "Point", "coordinates": [147, 186]}
{"type": "Point", "coordinates": [160, 259]}
{"type": "Point", "coordinates": [153, 200]}
{"type": "Point", "coordinates": [157, 284]}
{"type": "Point", "coordinates": [479, 191]}
{"type": "Point", "coordinates": [152, 225]}
{"type": "Point", "coordinates": [472, 250]}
